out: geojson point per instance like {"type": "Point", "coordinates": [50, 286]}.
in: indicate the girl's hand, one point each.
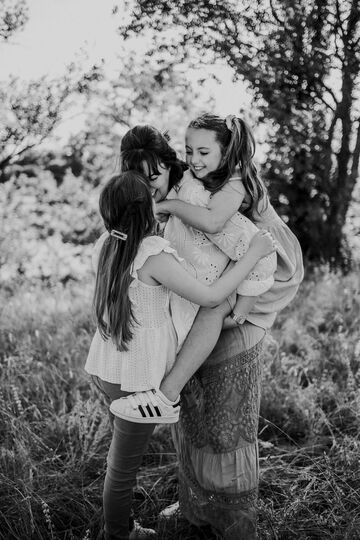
{"type": "Point", "coordinates": [262, 244]}
{"type": "Point", "coordinates": [162, 211]}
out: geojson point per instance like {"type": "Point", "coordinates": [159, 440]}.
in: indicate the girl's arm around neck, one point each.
{"type": "Point", "coordinates": [165, 269]}
{"type": "Point", "coordinates": [224, 204]}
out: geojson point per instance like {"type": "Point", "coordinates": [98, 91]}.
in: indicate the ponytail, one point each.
{"type": "Point", "coordinates": [238, 146]}
{"type": "Point", "coordinates": [239, 154]}
{"type": "Point", "coordinates": [111, 299]}
{"type": "Point", "coordinates": [126, 207]}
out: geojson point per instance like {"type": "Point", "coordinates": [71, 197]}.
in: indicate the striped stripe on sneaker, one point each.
{"type": "Point", "coordinates": [150, 407]}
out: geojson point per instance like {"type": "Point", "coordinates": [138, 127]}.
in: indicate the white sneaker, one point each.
{"type": "Point", "coordinates": [150, 407]}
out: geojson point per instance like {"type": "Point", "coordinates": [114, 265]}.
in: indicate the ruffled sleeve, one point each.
{"type": "Point", "coordinates": [235, 183]}
{"type": "Point", "coordinates": [151, 245]}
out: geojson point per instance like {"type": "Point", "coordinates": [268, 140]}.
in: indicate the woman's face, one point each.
{"type": "Point", "coordinates": [203, 152]}
{"type": "Point", "coordinates": [159, 183]}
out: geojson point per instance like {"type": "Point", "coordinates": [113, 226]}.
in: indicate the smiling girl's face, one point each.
{"type": "Point", "coordinates": [203, 152]}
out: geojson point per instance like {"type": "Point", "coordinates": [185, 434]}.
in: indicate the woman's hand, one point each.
{"type": "Point", "coordinates": [162, 210]}
{"type": "Point", "coordinates": [262, 244]}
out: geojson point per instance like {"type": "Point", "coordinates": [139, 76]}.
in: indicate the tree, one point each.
{"type": "Point", "coordinates": [13, 16]}
{"type": "Point", "coordinates": [301, 58]}
{"type": "Point", "coordinates": [30, 111]}
{"type": "Point", "coordinates": [143, 92]}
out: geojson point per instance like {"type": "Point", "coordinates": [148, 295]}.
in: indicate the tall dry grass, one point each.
{"type": "Point", "coordinates": [54, 430]}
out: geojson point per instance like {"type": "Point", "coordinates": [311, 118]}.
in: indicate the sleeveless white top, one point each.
{"type": "Point", "coordinates": [152, 349]}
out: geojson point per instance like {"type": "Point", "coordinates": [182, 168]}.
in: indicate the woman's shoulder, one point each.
{"type": "Point", "coordinates": [235, 184]}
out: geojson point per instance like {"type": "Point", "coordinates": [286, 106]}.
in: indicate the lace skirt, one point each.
{"type": "Point", "coordinates": [216, 437]}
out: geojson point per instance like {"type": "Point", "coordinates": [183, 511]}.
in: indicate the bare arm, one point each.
{"type": "Point", "coordinates": [165, 269]}
{"type": "Point", "coordinates": [211, 219]}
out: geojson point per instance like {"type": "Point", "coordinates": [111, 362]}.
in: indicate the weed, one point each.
{"type": "Point", "coordinates": [54, 430]}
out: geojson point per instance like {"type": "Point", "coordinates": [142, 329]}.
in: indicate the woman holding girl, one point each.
{"type": "Point", "coordinates": [213, 212]}
{"type": "Point", "coordinates": [135, 344]}
{"type": "Point", "coordinates": [216, 438]}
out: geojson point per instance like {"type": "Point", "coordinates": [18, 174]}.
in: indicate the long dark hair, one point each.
{"type": "Point", "coordinates": [238, 149]}
{"type": "Point", "coordinates": [125, 206]}
{"type": "Point", "coordinates": [146, 144]}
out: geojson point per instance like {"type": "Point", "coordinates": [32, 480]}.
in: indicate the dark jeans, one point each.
{"type": "Point", "coordinates": [128, 445]}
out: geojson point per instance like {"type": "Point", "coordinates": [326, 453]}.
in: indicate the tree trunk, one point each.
{"type": "Point", "coordinates": [345, 177]}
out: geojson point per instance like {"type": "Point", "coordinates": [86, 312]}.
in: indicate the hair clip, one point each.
{"type": "Point", "coordinates": [119, 235]}
{"type": "Point", "coordinates": [229, 121]}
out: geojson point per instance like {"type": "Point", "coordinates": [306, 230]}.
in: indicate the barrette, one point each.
{"type": "Point", "coordinates": [119, 235]}
{"type": "Point", "coordinates": [229, 120]}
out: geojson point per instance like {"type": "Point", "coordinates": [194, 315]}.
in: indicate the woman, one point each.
{"type": "Point", "coordinates": [216, 437]}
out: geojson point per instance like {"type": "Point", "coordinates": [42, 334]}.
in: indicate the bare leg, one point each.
{"type": "Point", "coordinates": [199, 343]}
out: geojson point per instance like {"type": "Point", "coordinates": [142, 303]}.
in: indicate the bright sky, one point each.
{"type": "Point", "coordinates": [61, 31]}
{"type": "Point", "coordinates": [58, 31]}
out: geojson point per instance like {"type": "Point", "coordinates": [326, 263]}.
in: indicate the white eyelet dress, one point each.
{"type": "Point", "coordinates": [206, 256]}
{"type": "Point", "coordinates": [152, 350]}
{"type": "Point", "coordinates": [202, 259]}
{"type": "Point", "coordinates": [235, 236]}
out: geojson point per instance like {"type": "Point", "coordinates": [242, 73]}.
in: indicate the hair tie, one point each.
{"type": "Point", "coordinates": [119, 235]}
{"type": "Point", "coordinates": [229, 121]}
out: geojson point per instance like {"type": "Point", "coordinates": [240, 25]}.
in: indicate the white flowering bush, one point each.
{"type": "Point", "coordinates": [47, 230]}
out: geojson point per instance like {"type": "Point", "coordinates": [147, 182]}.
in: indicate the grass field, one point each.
{"type": "Point", "coordinates": [55, 434]}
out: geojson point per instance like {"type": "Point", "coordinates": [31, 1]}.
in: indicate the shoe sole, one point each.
{"type": "Point", "coordinates": [145, 420]}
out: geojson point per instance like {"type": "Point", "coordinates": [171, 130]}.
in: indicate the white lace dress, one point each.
{"type": "Point", "coordinates": [207, 256]}
{"type": "Point", "coordinates": [202, 259]}
{"type": "Point", "coordinates": [152, 350]}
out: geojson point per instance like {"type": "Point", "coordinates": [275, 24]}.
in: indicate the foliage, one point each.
{"type": "Point", "coordinates": [30, 111]}
{"type": "Point", "coordinates": [55, 432]}
{"type": "Point", "coordinates": [301, 59]}
{"type": "Point", "coordinates": [315, 359]}
{"type": "Point", "coordinates": [13, 17]}
{"type": "Point", "coordinates": [46, 231]}
{"type": "Point", "coordinates": [49, 197]}
{"type": "Point", "coordinates": [141, 94]}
